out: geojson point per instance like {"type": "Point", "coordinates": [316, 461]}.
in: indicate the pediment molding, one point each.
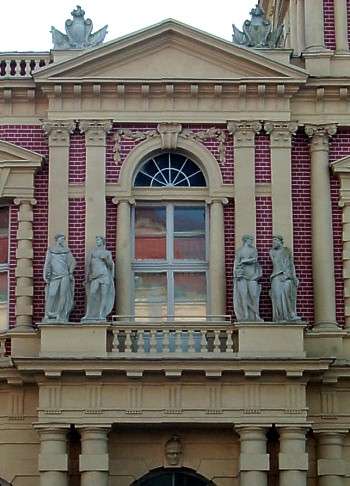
{"type": "Point", "coordinates": [341, 166]}
{"type": "Point", "coordinates": [17, 168]}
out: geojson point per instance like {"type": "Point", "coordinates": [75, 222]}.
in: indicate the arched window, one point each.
{"type": "Point", "coordinates": [173, 477]}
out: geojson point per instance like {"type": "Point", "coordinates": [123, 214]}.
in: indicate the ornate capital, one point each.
{"type": "Point", "coordinates": [281, 132]}
{"type": "Point", "coordinates": [327, 130]}
{"type": "Point", "coordinates": [169, 133]}
{"type": "Point", "coordinates": [95, 131]}
{"type": "Point", "coordinates": [19, 201]}
{"type": "Point", "coordinates": [59, 131]}
{"type": "Point", "coordinates": [244, 132]}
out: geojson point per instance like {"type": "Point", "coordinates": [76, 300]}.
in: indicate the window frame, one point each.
{"type": "Point", "coordinates": [170, 265]}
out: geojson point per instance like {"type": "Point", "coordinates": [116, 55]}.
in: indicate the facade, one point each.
{"type": "Point", "coordinates": [173, 144]}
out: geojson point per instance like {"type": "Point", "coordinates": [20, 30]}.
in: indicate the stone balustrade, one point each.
{"type": "Point", "coordinates": [2, 345]}
{"type": "Point", "coordinates": [22, 64]}
{"type": "Point", "coordinates": [174, 338]}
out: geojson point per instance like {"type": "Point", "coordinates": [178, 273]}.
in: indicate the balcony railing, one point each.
{"type": "Point", "coordinates": [22, 64]}
{"type": "Point", "coordinates": [186, 338]}
{"type": "Point", "coordinates": [2, 345]}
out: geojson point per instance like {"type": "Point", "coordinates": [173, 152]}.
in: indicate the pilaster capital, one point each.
{"type": "Point", "coordinates": [126, 200]}
{"type": "Point", "coordinates": [324, 130]}
{"type": "Point", "coordinates": [169, 133]}
{"type": "Point", "coordinates": [95, 131]}
{"type": "Point", "coordinates": [217, 200]}
{"type": "Point", "coordinates": [21, 201]}
{"type": "Point", "coordinates": [281, 132]}
{"type": "Point", "coordinates": [58, 131]}
{"type": "Point", "coordinates": [244, 132]}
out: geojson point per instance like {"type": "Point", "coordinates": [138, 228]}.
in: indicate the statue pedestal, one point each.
{"type": "Point", "coordinates": [271, 340]}
{"type": "Point", "coordinates": [72, 339]}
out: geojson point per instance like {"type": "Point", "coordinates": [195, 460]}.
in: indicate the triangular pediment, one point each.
{"type": "Point", "coordinates": [13, 155]}
{"type": "Point", "coordinates": [341, 165]}
{"type": "Point", "coordinates": [169, 50]}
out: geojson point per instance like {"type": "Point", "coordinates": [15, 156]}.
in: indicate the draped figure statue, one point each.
{"type": "Point", "coordinates": [247, 272]}
{"type": "Point", "coordinates": [100, 292]}
{"type": "Point", "coordinates": [284, 282]}
{"type": "Point", "coordinates": [58, 275]}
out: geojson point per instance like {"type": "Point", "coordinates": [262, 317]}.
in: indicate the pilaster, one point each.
{"type": "Point", "coordinates": [341, 26]}
{"type": "Point", "coordinates": [244, 169]}
{"type": "Point", "coordinates": [314, 26]}
{"type": "Point", "coordinates": [281, 178]}
{"type": "Point", "coordinates": [322, 230]}
{"type": "Point", "coordinates": [95, 186]}
{"type": "Point", "coordinates": [59, 139]}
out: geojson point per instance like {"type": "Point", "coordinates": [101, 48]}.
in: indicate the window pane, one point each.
{"type": "Point", "coordinates": [189, 233]}
{"type": "Point", "coordinates": [151, 295]}
{"type": "Point", "coordinates": [4, 225]}
{"type": "Point", "coordinates": [150, 233]}
{"type": "Point", "coordinates": [190, 294]}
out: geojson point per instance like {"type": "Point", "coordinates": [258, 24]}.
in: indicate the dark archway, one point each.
{"type": "Point", "coordinates": [4, 483]}
{"type": "Point", "coordinates": [172, 477]}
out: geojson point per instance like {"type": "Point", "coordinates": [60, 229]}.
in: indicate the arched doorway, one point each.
{"type": "Point", "coordinates": [173, 477]}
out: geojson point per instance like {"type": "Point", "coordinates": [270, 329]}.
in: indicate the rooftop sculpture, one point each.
{"type": "Point", "coordinates": [257, 32]}
{"type": "Point", "coordinates": [78, 33]}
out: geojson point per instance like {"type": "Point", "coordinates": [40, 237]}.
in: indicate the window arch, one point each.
{"type": "Point", "coordinates": [173, 477]}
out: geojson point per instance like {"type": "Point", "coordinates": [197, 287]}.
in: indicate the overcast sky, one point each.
{"type": "Point", "coordinates": [25, 24]}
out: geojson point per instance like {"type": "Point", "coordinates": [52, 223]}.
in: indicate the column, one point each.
{"type": "Point", "coordinates": [281, 178]}
{"type": "Point", "coordinates": [254, 461]}
{"type": "Point", "coordinates": [293, 26]}
{"type": "Point", "coordinates": [244, 157]}
{"type": "Point", "coordinates": [59, 137]}
{"type": "Point", "coordinates": [95, 185]}
{"type": "Point", "coordinates": [314, 27]}
{"type": "Point", "coordinates": [322, 231]}
{"type": "Point", "coordinates": [24, 265]}
{"type": "Point", "coordinates": [217, 275]}
{"type": "Point", "coordinates": [53, 458]}
{"type": "Point", "coordinates": [293, 460]}
{"type": "Point", "coordinates": [94, 459]}
{"type": "Point", "coordinates": [331, 467]}
{"type": "Point", "coordinates": [124, 255]}
{"type": "Point", "coordinates": [341, 26]}
{"type": "Point", "coordinates": [300, 18]}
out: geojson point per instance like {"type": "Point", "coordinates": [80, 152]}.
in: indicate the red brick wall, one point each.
{"type": "Point", "coordinates": [348, 10]}
{"type": "Point", "coordinates": [229, 219]}
{"type": "Point", "coordinates": [76, 243]}
{"type": "Point", "coordinates": [13, 218]}
{"type": "Point", "coordinates": [111, 229]}
{"type": "Point", "coordinates": [329, 24]}
{"type": "Point", "coordinates": [77, 158]}
{"type": "Point", "coordinates": [339, 147]}
{"type": "Point", "coordinates": [301, 198]}
{"type": "Point", "coordinates": [262, 158]}
{"type": "Point", "coordinates": [263, 244]}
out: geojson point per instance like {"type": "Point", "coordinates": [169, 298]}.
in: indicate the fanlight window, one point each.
{"type": "Point", "coordinates": [170, 170]}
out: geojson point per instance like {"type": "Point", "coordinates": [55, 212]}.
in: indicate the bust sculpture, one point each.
{"type": "Point", "coordinates": [100, 291]}
{"type": "Point", "coordinates": [258, 31]}
{"type": "Point", "coordinates": [173, 451]}
{"type": "Point", "coordinates": [78, 33]}
{"type": "Point", "coordinates": [284, 282]}
{"type": "Point", "coordinates": [58, 275]}
{"type": "Point", "coordinates": [247, 272]}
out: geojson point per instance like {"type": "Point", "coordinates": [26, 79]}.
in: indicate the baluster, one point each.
{"type": "Point", "coordinates": [216, 341]}
{"type": "Point", "coordinates": [229, 342]}
{"type": "Point", "coordinates": [17, 68]}
{"type": "Point", "coordinates": [143, 341]}
{"type": "Point", "coordinates": [115, 344]}
{"type": "Point", "coordinates": [27, 67]}
{"type": "Point", "coordinates": [8, 67]}
{"type": "Point", "coordinates": [203, 342]}
{"type": "Point", "coordinates": [166, 341]}
{"type": "Point", "coordinates": [191, 343]}
{"type": "Point", "coordinates": [135, 341]}
{"type": "Point", "coordinates": [176, 340]}
{"type": "Point", "coordinates": [128, 342]}
{"type": "Point", "coordinates": [153, 341]}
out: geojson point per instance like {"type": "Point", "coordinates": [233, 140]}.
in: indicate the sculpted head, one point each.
{"type": "Point", "coordinates": [173, 451]}
{"type": "Point", "coordinates": [277, 242]}
{"type": "Point", "coordinates": [247, 239]}
{"type": "Point", "coordinates": [60, 239]}
{"type": "Point", "coordinates": [100, 240]}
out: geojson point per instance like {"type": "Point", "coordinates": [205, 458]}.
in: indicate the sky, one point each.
{"type": "Point", "coordinates": [28, 22]}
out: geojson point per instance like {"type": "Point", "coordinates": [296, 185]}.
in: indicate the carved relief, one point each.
{"type": "Point", "coordinates": [173, 452]}
{"type": "Point", "coordinates": [135, 135]}
{"type": "Point", "coordinates": [135, 399]}
{"type": "Point", "coordinates": [93, 399]}
{"type": "Point", "coordinates": [252, 399]}
{"type": "Point", "coordinates": [329, 405]}
{"type": "Point", "coordinates": [174, 400]}
{"type": "Point", "coordinates": [294, 399]}
{"type": "Point", "coordinates": [54, 399]}
{"type": "Point", "coordinates": [215, 399]}
{"type": "Point", "coordinates": [16, 404]}
{"type": "Point", "coordinates": [210, 133]}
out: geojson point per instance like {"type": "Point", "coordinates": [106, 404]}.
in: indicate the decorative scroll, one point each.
{"type": "Point", "coordinates": [137, 136]}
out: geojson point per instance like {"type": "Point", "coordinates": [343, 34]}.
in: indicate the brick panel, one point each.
{"type": "Point", "coordinates": [229, 218]}
{"type": "Point", "coordinates": [77, 158]}
{"type": "Point", "coordinates": [76, 243]}
{"type": "Point", "coordinates": [263, 244]}
{"type": "Point", "coordinates": [262, 158]}
{"type": "Point", "coordinates": [302, 237]}
{"type": "Point", "coordinates": [329, 24]}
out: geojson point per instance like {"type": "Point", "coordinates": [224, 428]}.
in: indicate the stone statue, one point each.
{"type": "Point", "coordinates": [284, 282]}
{"type": "Point", "coordinates": [78, 33]}
{"type": "Point", "coordinates": [100, 292]}
{"type": "Point", "coordinates": [258, 31]}
{"type": "Point", "coordinates": [247, 272]}
{"type": "Point", "coordinates": [173, 451]}
{"type": "Point", "coordinates": [58, 275]}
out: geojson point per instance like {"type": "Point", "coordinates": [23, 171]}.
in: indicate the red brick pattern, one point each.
{"type": "Point", "coordinates": [229, 219]}
{"type": "Point", "coordinates": [348, 10]}
{"type": "Point", "coordinates": [76, 243]}
{"type": "Point", "coordinates": [339, 147]}
{"type": "Point", "coordinates": [329, 23]}
{"type": "Point", "coordinates": [262, 158]}
{"type": "Point", "coordinates": [111, 229]}
{"type": "Point", "coordinates": [13, 218]}
{"type": "Point", "coordinates": [263, 244]}
{"type": "Point", "coordinates": [301, 198]}
{"type": "Point", "coordinates": [32, 137]}
{"type": "Point", "coordinates": [77, 158]}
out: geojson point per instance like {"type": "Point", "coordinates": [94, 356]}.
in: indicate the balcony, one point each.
{"type": "Point", "coordinates": [21, 65]}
